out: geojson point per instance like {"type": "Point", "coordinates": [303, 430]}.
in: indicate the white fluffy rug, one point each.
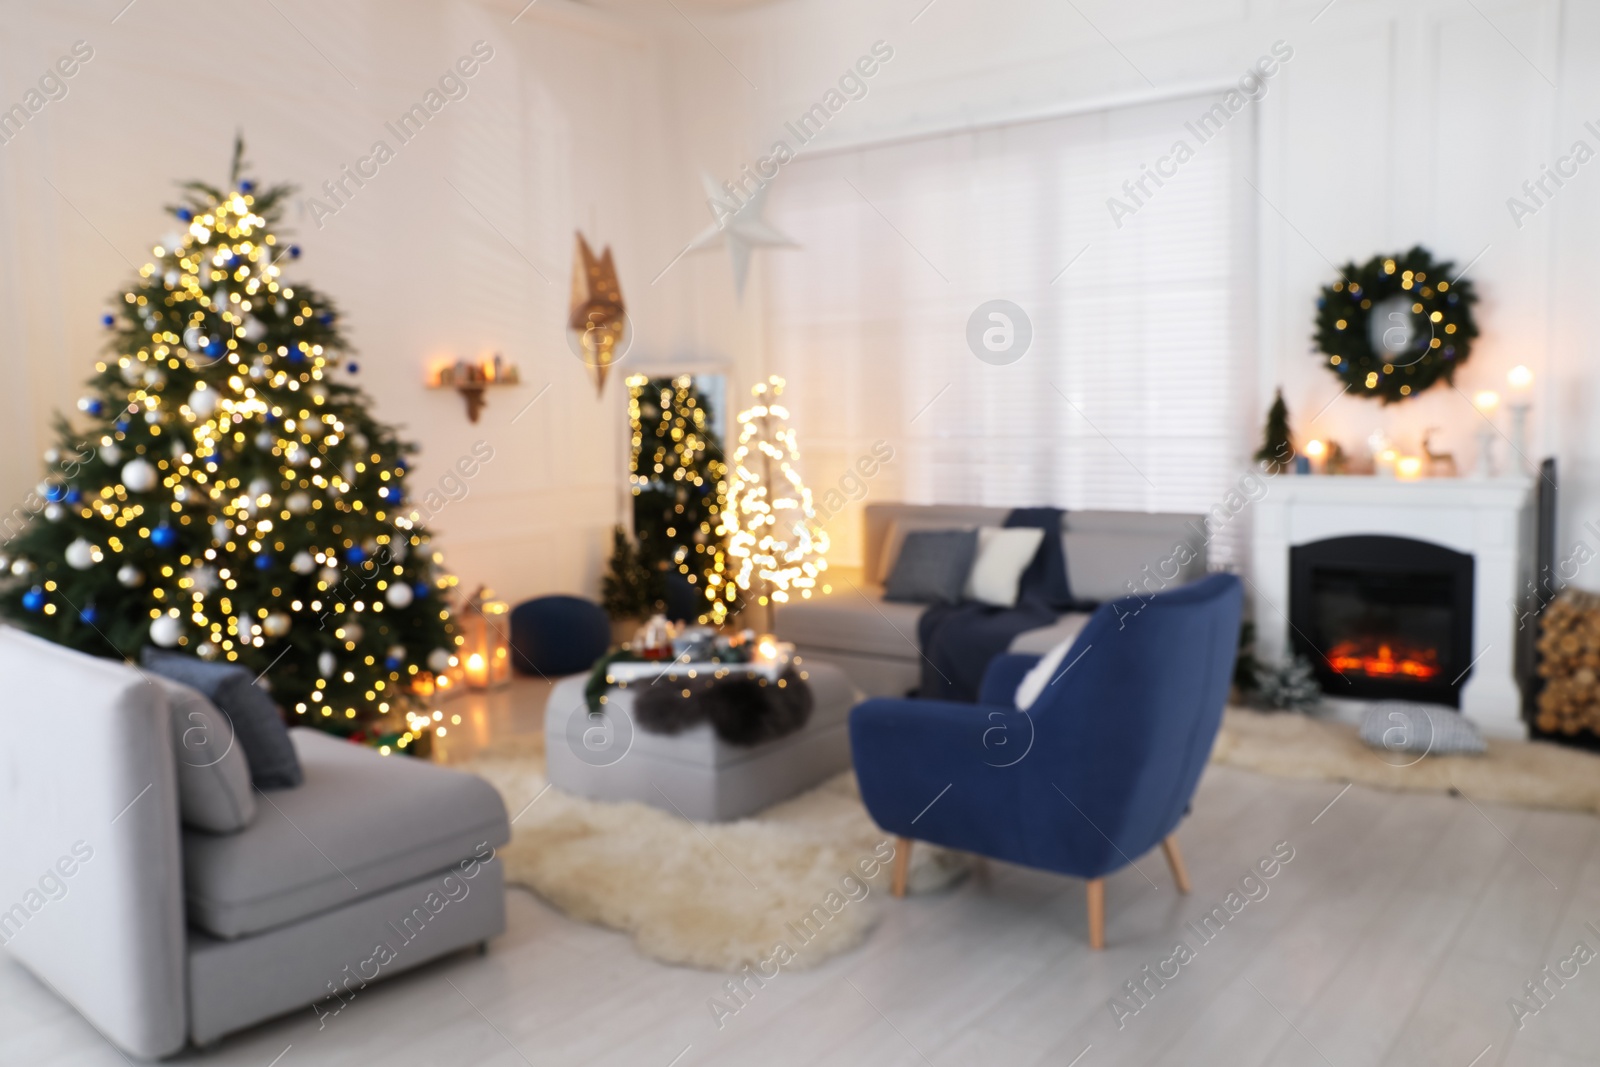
{"type": "Point", "coordinates": [715, 895]}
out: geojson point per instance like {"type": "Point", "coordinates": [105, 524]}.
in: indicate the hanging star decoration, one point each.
{"type": "Point", "coordinates": [740, 226]}
{"type": "Point", "coordinates": [598, 319]}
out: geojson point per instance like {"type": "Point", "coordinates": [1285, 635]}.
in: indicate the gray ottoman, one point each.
{"type": "Point", "coordinates": [694, 773]}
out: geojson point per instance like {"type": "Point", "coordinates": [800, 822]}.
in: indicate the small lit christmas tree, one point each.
{"type": "Point", "coordinates": [225, 495]}
{"type": "Point", "coordinates": [1276, 453]}
{"type": "Point", "coordinates": [677, 476]}
{"type": "Point", "coordinates": [775, 542]}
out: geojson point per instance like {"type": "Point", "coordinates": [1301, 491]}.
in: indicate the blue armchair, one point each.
{"type": "Point", "coordinates": [1097, 772]}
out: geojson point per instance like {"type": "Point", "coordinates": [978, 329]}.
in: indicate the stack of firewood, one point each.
{"type": "Point", "coordinates": [1569, 663]}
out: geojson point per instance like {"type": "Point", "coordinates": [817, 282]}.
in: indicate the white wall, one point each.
{"type": "Point", "coordinates": [561, 129]}
{"type": "Point", "coordinates": [1394, 124]}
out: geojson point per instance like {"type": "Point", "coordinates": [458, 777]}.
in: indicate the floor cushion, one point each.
{"type": "Point", "coordinates": [361, 823]}
{"type": "Point", "coordinates": [556, 635]}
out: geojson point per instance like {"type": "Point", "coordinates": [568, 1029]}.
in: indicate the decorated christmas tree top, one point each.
{"type": "Point", "coordinates": [224, 495]}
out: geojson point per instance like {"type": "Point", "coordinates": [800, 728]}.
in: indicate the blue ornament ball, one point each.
{"type": "Point", "coordinates": [294, 251]}
{"type": "Point", "coordinates": [108, 321]}
{"type": "Point", "coordinates": [185, 214]}
{"type": "Point", "coordinates": [247, 186]}
{"type": "Point", "coordinates": [263, 561]}
{"type": "Point", "coordinates": [55, 493]}
{"type": "Point", "coordinates": [422, 589]}
{"type": "Point", "coordinates": [88, 614]}
{"type": "Point", "coordinates": [353, 367]}
{"type": "Point", "coordinates": [392, 663]}
{"type": "Point", "coordinates": [74, 495]}
{"type": "Point", "coordinates": [122, 425]}
{"type": "Point", "coordinates": [33, 599]}
{"type": "Point", "coordinates": [214, 348]}
{"type": "Point", "coordinates": [296, 355]}
{"type": "Point", "coordinates": [325, 318]}
{"type": "Point", "coordinates": [356, 554]}
{"type": "Point", "coordinates": [163, 536]}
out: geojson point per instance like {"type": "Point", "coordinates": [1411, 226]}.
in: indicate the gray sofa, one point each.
{"type": "Point", "coordinates": [161, 935]}
{"type": "Point", "coordinates": [874, 641]}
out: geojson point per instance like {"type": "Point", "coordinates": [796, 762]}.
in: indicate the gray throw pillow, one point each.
{"type": "Point", "coordinates": [213, 778]}
{"type": "Point", "coordinates": [1403, 726]}
{"type": "Point", "coordinates": [257, 723]}
{"type": "Point", "coordinates": [932, 567]}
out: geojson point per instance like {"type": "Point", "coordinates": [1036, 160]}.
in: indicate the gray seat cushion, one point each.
{"type": "Point", "coordinates": [851, 621]}
{"type": "Point", "coordinates": [362, 823]}
{"type": "Point", "coordinates": [1038, 642]}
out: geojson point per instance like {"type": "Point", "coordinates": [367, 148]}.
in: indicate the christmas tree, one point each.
{"type": "Point", "coordinates": [678, 476]}
{"type": "Point", "coordinates": [1276, 453]}
{"type": "Point", "coordinates": [774, 538]}
{"type": "Point", "coordinates": [223, 494]}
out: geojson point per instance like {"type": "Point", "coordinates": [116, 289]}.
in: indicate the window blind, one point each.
{"type": "Point", "coordinates": [1128, 396]}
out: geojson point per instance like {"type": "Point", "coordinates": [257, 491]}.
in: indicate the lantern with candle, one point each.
{"type": "Point", "coordinates": [1486, 401]}
{"type": "Point", "coordinates": [1520, 378]}
{"type": "Point", "coordinates": [485, 649]}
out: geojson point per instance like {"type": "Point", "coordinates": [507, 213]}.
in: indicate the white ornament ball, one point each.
{"type": "Point", "coordinates": [329, 576]}
{"type": "Point", "coordinates": [207, 650]}
{"type": "Point", "coordinates": [203, 402]}
{"type": "Point", "coordinates": [397, 652]}
{"type": "Point", "coordinates": [438, 661]}
{"type": "Point", "coordinates": [165, 631]}
{"type": "Point", "coordinates": [296, 455]}
{"type": "Point", "coordinates": [52, 456]}
{"type": "Point", "coordinates": [155, 378]}
{"type": "Point", "coordinates": [22, 568]}
{"type": "Point", "coordinates": [258, 487]}
{"type": "Point", "coordinates": [247, 629]}
{"type": "Point", "coordinates": [326, 664]}
{"type": "Point", "coordinates": [139, 475]}
{"type": "Point", "coordinates": [155, 416]}
{"type": "Point", "coordinates": [171, 279]}
{"type": "Point", "coordinates": [399, 595]}
{"type": "Point", "coordinates": [130, 576]}
{"type": "Point", "coordinates": [258, 371]}
{"type": "Point", "coordinates": [111, 454]}
{"type": "Point", "coordinates": [302, 563]}
{"type": "Point", "coordinates": [80, 555]}
{"type": "Point", "coordinates": [204, 579]}
{"type": "Point", "coordinates": [353, 632]}
{"type": "Point", "coordinates": [265, 440]}
{"type": "Point", "coordinates": [181, 494]}
{"type": "Point", "coordinates": [276, 624]}
{"type": "Point", "coordinates": [53, 512]}
{"type": "Point", "coordinates": [221, 532]}
{"type": "Point", "coordinates": [253, 329]}
{"type": "Point", "coordinates": [193, 339]}
{"type": "Point", "coordinates": [298, 503]}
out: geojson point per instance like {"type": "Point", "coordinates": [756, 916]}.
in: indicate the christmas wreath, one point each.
{"type": "Point", "coordinates": [1396, 324]}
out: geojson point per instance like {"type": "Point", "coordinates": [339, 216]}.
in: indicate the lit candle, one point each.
{"type": "Point", "coordinates": [1520, 379]}
{"type": "Point", "coordinates": [1486, 401]}
{"type": "Point", "coordinates": [1316, 452]}
{"type": "Point", "coordinates": [1408, 468]}
{"type": "Point", "coordinates": [477, 671]}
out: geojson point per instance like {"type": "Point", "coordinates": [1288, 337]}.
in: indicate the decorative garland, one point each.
{"type": "Point", "coordinates": [1423, 329]}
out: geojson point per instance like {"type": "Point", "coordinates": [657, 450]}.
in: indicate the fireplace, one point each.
{"type": "Point", "coordinates": [1383, 617]}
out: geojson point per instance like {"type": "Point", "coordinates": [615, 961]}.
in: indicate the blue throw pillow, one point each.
{"type": "Point", "coordinates": [932, 567]}
{"type": "Point", "coordinates": [257, 723]}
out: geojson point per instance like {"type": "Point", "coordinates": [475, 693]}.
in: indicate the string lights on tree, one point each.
{"type": "Point", "coordinates": [773, 537]}
{"type": "Point", "coordinates": [224, 495]}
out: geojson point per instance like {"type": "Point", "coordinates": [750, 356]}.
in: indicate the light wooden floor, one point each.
{"type": "Point", "coordinates": [1395, 936]}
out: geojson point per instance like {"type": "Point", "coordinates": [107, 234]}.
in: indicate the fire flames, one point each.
{"type": "Point", "coordinates": [1381, 659]}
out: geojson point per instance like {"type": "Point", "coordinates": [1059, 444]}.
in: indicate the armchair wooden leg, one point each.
{"type": "Point", "coordinates": [1175, 860]}
{"type": "Point", "coordinates": [1096, 893]}
{"type": "Point", "coordinates": [902, 866]}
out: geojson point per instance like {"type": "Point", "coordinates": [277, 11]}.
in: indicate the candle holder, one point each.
{"type": "Point", "coordinates": [485, 652]}
{"type": "Point", "coordinates": [472, 379]}
{"type": "Point", "coordinates": [1519, 433]}
{"type": "Point", "coordinates": [1486, 466]}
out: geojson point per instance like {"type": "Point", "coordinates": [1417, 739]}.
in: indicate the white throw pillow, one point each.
{"type": "Point", "coordinates": [1003, 554]}
{"type": "Point", "coordinates": [1037, 680]}
{"type": "Point", "coordinates": [214, 792]}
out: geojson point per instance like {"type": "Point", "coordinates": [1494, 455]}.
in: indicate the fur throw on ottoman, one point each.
{"type": "Point", "coordinates": [742, 709]}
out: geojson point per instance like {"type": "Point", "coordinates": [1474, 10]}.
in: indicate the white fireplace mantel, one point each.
{"type": "Point", "coordinates": [1484, 518]}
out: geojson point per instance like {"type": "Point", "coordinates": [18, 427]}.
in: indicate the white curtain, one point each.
{"type": "Point", "coordinates": [1129, 396]}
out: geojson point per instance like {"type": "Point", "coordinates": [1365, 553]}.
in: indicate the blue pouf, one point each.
{"type": "Point", "coordinates": [556, 635]}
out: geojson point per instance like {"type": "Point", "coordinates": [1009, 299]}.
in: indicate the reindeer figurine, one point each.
{"type": "Point", "coordinates": [1440, 464]}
